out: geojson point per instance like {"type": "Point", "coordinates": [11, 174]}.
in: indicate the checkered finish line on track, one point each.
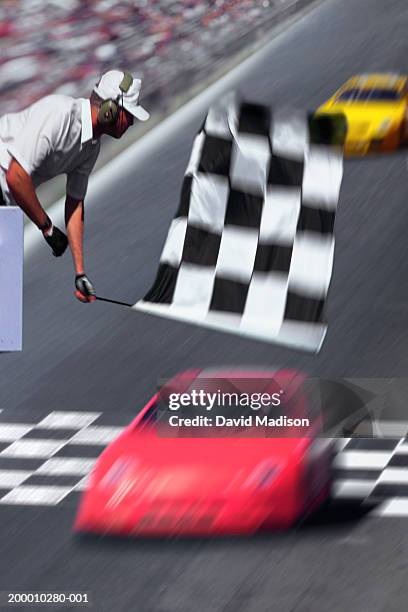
{"type": "Point", "coordinates": [42, 463]}
{"type": "Point", "coordinates": [250, 250]}
{"type": "Point", "coordinates": [47, 463]}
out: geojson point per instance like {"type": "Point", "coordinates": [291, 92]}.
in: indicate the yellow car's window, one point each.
{"type": "Point", "coordinates": [369, 95]}
{"type": "Point", "coordinates": [348, 95]}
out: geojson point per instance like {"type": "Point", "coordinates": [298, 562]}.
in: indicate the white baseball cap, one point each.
{"type": "Point", "coordinates": [108, 87]}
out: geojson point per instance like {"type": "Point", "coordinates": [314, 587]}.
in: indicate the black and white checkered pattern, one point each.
{"type": "Point", "coordinates": [47, 463]}
{"type": "Point", "coordinates": [250, 250]}
{"type": "Point", "coordinates": [375, 471]}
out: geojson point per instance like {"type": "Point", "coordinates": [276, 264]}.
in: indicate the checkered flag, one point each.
{"type": "Point", "coordinates": [250, 250]}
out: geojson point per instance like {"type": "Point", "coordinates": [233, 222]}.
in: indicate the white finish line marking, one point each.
{"type": "Point", "coordinates": [357, 489]}
{"type": "Point", "coordinates": [33, 449]}
{"type": "Point", "coordinates": [358, 460]}
{"type": "Point", "coordinates": [68, 420]}
{"type": "Point", "coordinates": [396, 507]}
{"type": "Point", "coordinates": [393, 475]}
{"type": "Point", "coordinates": [13, 478]}
{"type": "Point", "coordinates": [36, 495]}
{"type": "Point", "coordinates": [96, 435]}
{"type": "Point", "coordinates": [10, 432]}
{"type": "Point", "coordinates": [65, 466]}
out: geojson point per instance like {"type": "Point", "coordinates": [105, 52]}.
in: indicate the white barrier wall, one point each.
{"type": "Point", "coordinates": [11, 278]}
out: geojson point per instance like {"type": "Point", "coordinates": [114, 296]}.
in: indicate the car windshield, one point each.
{"type": "Point", "coordinates": [368, 95]}
{"type": "Point", "coordinates": [238, 398]}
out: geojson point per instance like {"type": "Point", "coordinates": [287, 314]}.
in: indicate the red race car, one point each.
{"type": "Point", "coordinates": [170, 473]}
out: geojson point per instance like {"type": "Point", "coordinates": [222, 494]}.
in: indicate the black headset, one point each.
{"type": "Point", "coordinates": [109, 110]}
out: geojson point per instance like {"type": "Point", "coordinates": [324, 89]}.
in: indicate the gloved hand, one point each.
{"type": "Point", "coordinates": [56, 239]}
{"type": "Point", "coordinates": [85, 291]}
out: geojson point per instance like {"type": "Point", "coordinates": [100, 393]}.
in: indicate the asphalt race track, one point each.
{"type": "Point", "coordinates": [106, 359]}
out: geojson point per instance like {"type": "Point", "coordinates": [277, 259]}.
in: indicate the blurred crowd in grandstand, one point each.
{"type": "Point", "coordinates": [62, 46]}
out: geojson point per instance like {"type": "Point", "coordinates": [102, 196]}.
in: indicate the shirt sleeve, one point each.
{"type": "Point", "coordinates": [36, 141]}
{"type": "Point", "coordinates": [77, 179]}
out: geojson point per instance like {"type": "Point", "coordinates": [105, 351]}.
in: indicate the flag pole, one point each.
{"type": "Point", "coordinates": [101, 299]}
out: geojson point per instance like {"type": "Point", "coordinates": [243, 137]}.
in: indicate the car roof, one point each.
{"type": "Point", "coordinates": [283, 376]}
{"type": "Point", "coordinates": [385, 80]}
{"type": "Point", "coordinates": [290, 379]}
{"type": "Point", "coordinates": [245, 370]}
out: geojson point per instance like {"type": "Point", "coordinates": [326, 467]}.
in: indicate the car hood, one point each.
{"type": "Point", "coordinates": [177, 467]}
{"type": "Point", "coordinates": [146, 485]}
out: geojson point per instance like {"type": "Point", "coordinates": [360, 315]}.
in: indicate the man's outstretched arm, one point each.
{"type": "Point", "coordinates": [74, 221]}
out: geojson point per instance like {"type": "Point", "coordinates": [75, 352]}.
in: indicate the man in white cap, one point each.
{"type": "Point", "coordinates": [61, 135]}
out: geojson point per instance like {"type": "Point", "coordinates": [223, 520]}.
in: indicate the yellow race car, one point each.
{"type": "Point", "coordinates": [376, 109]}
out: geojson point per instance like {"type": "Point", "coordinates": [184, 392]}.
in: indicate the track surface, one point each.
{"type": "Point", "coordinates": [107, 359]}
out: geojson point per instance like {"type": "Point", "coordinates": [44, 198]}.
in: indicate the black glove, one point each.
{"type": "Point", "coordinates": [85, 291]}
{"type": "Point", "coordinates": [56, 239]}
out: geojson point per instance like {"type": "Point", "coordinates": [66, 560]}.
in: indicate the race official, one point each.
{"type": "Point", "coordinates": [61, 135]}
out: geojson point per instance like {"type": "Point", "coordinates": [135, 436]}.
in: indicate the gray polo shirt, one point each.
{"type": "Point", "coordinates": [52, 136]}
